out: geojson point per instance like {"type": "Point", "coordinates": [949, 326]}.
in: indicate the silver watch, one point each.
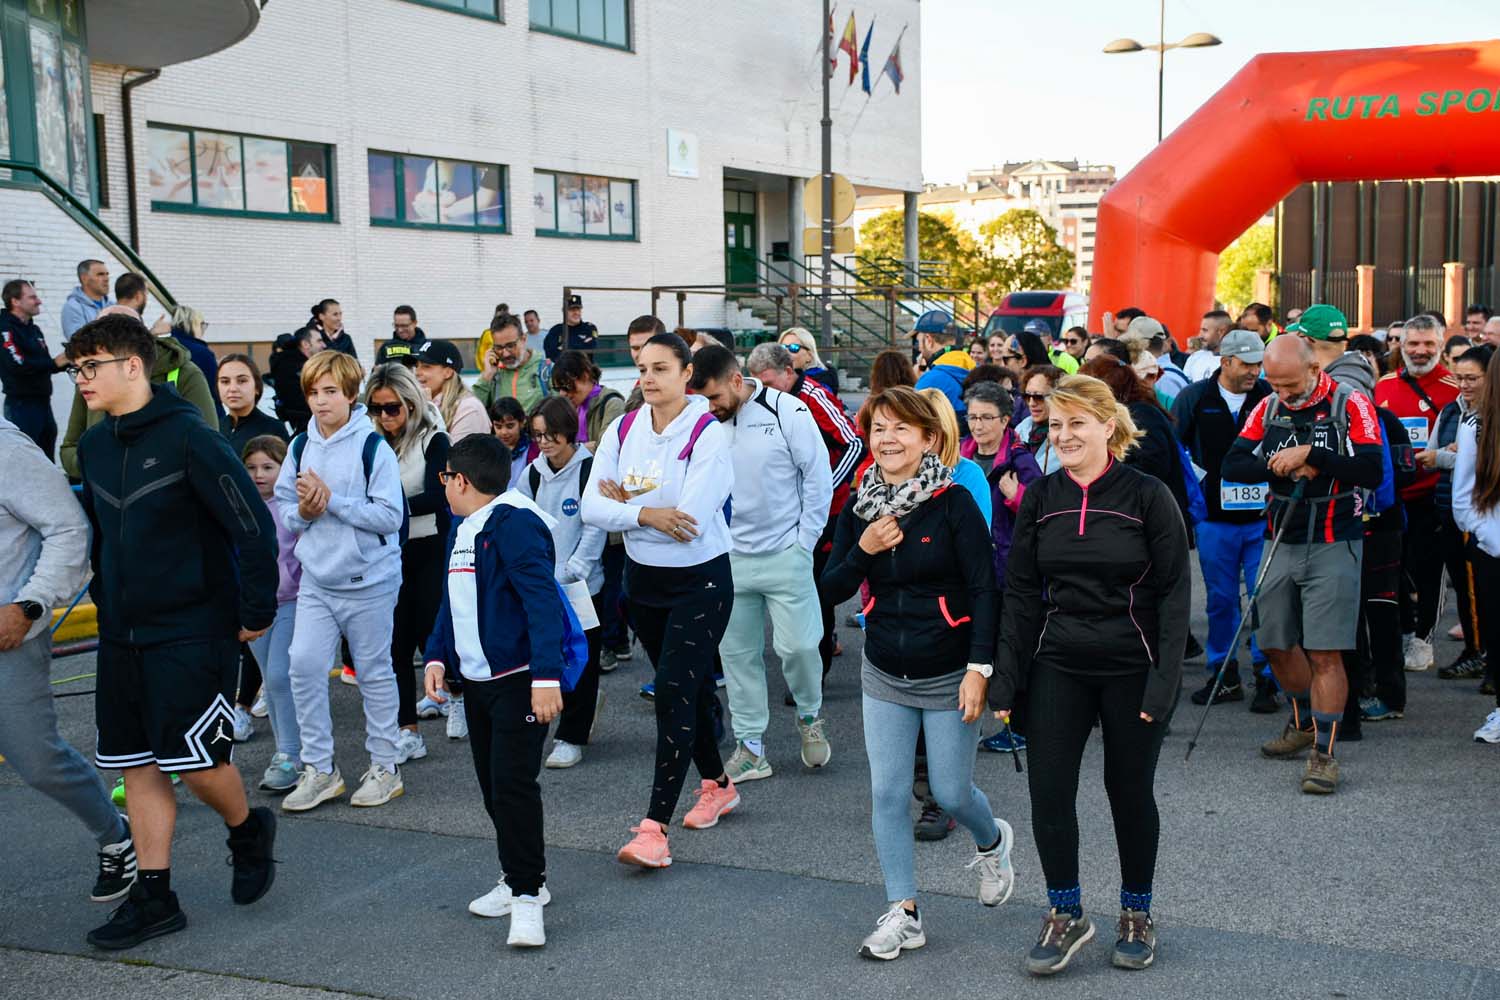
{"type": "Point", "coordinates": [985, 670]}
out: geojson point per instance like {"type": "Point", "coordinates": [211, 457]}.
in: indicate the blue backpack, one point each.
{"type": "Point", "coordinates": [1197, 511]}
{"type": "Point", "coordinates": [367, 458]}
{"type": "Point", "coordinates": [575, 643]}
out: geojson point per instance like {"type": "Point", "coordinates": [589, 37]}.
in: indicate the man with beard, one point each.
{"type": "Point", "coordinates": [1417, 392]}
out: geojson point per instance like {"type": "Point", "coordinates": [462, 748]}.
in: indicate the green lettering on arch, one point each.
{"type": "Point", "coordinates": [1484, 101]}
{"type": "Point", "coordinates": [1390, 108]}
{"type": "Point", "coordinates": [1345, 112]}
{"type": "Point", "coordinates": [1427, 103]}
{"type": "Point", "coordinates": [1317, 108]}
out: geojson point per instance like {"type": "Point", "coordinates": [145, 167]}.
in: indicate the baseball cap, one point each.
{"type": "Point", "coordinates": [575, 301]}
{"type": "Point", "coordinates": [1321, 323]}
{"type": "Point", "coordinates": [440, 352]}
{"type": "Point", "coordinates": [1145, 328]}
{"type": "Point", "coordinates": [1040, 327]}
{"type": "Point", "coordinates": [1242, 345]}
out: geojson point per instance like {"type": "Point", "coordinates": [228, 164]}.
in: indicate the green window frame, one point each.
{"type": "Point", "coordinates": [239, 192]}
{"type": "Point", "coordinates": [585, 206]}
{"type": "Point", "coordinates": [45, 99]}
{"type": "Point", "coordinates": [390, 206]}
{"type": "Point", "coordinates": [600, 22]}
{"type": "Point", "coordinates": [487, 10]}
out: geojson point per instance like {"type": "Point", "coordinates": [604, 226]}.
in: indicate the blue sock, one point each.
{"type": "Point", "coordinates": [1325, 725]}
{"type": "Point", "coordinates": [1137, 898]}
{"type": "Point", "coordinates": [1067, 900]}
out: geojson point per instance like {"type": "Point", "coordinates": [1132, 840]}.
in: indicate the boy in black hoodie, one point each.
{"type": "Point", "coordinates": [169, 628]}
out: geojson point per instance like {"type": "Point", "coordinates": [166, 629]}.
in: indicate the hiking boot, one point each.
{"type": "Point", "coordinates": [746, 766]}
{"type": "Point", "coordinates": [116, 869]}
{"type": "Point", "coordinates": [1264, 702]}
{"type": "Point", "coordinates": [933, 824]}
{"type": "Point", "coordinates": [1292, 742]}
{"type": "Point", "coordinates": [1229, 690]}
{"type": "Point", "coordinates": [997, 876]}
{"type": "Point", "coordinates": [896, 931]}
{"type": "Point", "coordinates": [713, 802]}
{"type": "Point", "coordinates": [378, 786]}
{"type": "Point", "coordinates": [1135, 947]}
{"type": "Point", "coordinates": [1062, 935]}
{"type": "Point", "coordinates": [1375, 710]}
{"type": "Point", "coordinates": [250, 854]}
{"type": "Point", "coordinates": [1322, 774]}
{"type": "Point", "coordinates": [815, 749]}
{"type": "Point", "coordinates": [313, 789]}
{"type": "Point", "coordinates": [1468, 666]}
{"type": "Point", "coordinates": [139, 918]}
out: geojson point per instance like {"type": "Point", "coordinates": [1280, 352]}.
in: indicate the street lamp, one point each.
{"type": "Point", "coordinates": [1197, 40]}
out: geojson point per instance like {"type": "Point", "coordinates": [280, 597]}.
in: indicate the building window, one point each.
{"type": "Point", "coordinates": [436, 194]}
{"type": "Point", "coordinates": [577, 205]}
{"type": "Point", "coordinates": [225, 173]}
{"type": "Point", "coordinates": [606, 22]}
{"type": "Point", "coordinates": [479, 8]}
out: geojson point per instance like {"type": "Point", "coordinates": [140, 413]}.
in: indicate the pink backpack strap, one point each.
{"type": "Point", "coordinates": [625, 422]}
{"type": "Point", "coordinates": [698, 428]}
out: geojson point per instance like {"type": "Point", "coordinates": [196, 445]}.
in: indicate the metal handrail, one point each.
{"type": "Point", "coordinates": [91, 223]}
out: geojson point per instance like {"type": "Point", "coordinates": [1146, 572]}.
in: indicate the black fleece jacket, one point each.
{"type": "Point", "coordinates": [183, 548]}
{"type": "Point", "coordinates": [1098, 583]}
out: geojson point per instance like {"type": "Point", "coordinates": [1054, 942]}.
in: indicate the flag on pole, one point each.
{"type": "Point", "coordinates": [833, 52]}
{"type": "Point", "coordinates": [864, 58]}
{"type": "Point", "coordinates": [850, 44]}
{"type": "Point", "coordinates": [893, 66]}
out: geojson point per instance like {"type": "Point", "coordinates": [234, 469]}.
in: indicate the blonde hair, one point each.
{"type": "Point", "coordinates": [449, 396]}
{"type": "Point", "coordinates": [809, 344]}
{"type": "Point", "coordinates": [421, 417]}
{"type": "Point", "coordinates": [1086, 394]}
{"type": "Point", "coordinates": [947, 438]}
{"type": "Point", "coordinates": [345, 371]}
{"type": "Point", "coordinates": [189, 319]}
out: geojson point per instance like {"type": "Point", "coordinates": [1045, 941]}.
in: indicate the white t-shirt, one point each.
{"type": "Point", "coordinates": [1200, 365]}
{"type": "Point", "coordinates": [1234, 400]}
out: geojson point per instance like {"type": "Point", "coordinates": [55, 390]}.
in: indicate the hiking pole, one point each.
{"type": "Point", "coordinates": [1015, 751]}
{"type": "Point", "coordinates": [1296, 498]}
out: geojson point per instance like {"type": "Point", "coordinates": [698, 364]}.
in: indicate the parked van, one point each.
{"type": "Point", "coordinates": [1060, 310]}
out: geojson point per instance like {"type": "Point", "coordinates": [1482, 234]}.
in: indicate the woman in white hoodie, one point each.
{"type": "Point", "coordinates": [663, 476]}
{"type": "Point", "coordinates": [1476, 510]}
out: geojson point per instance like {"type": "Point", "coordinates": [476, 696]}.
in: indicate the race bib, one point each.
{"type": "Point", "coordinates": [1417, 430]}
{"type": "Point", "coordinates": [1242, 496]}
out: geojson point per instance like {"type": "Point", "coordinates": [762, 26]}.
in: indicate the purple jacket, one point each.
{"type": "Point", "coordinates": [289, 569]}
{"type": "Point", "coordinates": [1013, 456]}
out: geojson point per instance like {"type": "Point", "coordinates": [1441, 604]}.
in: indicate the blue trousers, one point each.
{"type": "Point", "coordinates": [1228, 553]}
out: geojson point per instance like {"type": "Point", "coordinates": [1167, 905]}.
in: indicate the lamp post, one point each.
{"type": "Point", "coordinates": [1197, 40]}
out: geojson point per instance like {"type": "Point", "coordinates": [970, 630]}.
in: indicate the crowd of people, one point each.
{"type": "Point", "coordinates": [518, 536]}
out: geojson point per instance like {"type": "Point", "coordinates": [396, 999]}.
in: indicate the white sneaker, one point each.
{"type": "Point", "coordinates": [410, 746]}
{"type": "Point", "coordinates": [1418, 654]}
{"type": "Point", "coordinates": [497, 902]}
{"type": "Point", "coordinates": [313, 789]}
{"type": "Point", "coordinates": [526, 929]}
{"type": "Point", "coordinates": [458, 724]}
{"type": "Point", "coordinates": [896, 931]}
{"type": "Point", "coordinates": [244, 726]}
{"type": "Point", "coordinates": [260, 709]}
{"type": "Point", "coordinates": [564, 754]}
{"type": "Point", "coordinates": [429, 709]}
{"type": "Point", "coordinates": [997, 876]}
{"type": "Point", "coordinates": [377, 787]}
{"type": "Point", "coordinates": [1490, 731]}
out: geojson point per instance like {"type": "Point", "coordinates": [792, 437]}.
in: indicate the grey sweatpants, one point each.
{"type": "Point", "coordinates": [30, 742]}
{"type": "Point", "coordinates": [366, 622]}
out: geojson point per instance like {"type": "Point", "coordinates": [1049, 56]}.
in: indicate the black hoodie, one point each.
{"type": "Point", "coordinates": [183, 548]}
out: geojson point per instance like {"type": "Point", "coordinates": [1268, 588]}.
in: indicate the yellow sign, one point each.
{"type": "Point", "coordinates": [812, 240]}
{"type": "Point", "coordinates": [843, 199]}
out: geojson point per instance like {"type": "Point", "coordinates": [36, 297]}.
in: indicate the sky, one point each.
{"type": "Point", "coordinates": [1011, 80]}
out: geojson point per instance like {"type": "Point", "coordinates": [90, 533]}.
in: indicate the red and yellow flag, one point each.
{"type": "Point", "coordinates": [850, 44]}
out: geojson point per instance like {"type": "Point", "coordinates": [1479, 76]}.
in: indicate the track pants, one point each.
{"type": "Point", "coordinates": [780, 583]}
{"type": "Point", "coordinates": [506, 741]}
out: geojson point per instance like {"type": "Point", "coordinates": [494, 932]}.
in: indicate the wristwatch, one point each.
{"type": "Point", "coordinates": [985, 670]}
{"type": "Point", "coordinates": [31, 609]}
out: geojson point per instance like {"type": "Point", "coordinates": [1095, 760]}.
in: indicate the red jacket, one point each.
{"type": "Point", "coordinates": [843, 441]}
{"type": "Point", "coordinates": [1417, 403]}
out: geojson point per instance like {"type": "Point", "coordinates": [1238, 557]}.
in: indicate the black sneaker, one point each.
{"type": "Point", "coordinates": [250, 854]}
{"type": "Point", "coordinates": [138, 919]}
{"type": "Point", "coordinates": [1264, 702]}
{"type": "Point", "coordinates": [607, 661]}
{"type": "Point", "coordinates": [1062, 935]}
{"type": "Point", "coordinates": [1466, 667]}
{"type": "Point", "coordinates": [116, 869]}
{"type": "Point", "coordinates": [1229, 690]}
{"type": "Point", "coordinates": [1194, 648]}
{"type": "Point", "coordinates": [1135, 948]}
{"type": "Point", "coordinates": [933, 824]}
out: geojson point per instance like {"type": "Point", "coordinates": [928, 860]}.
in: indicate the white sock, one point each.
{"type": "Point", "coordinates": [757, 747]}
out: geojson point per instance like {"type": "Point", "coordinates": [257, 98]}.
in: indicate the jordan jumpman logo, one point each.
{"type": "Point", "coordinates": [219, 734]}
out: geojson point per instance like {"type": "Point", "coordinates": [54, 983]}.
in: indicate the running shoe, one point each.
{"type": "Point", "coordinates": [997, 876]}
{"type": "Point", "coordinates": [1375, 710]}
{"type": "Point", "coordinates": [260, 709]}
{"type": "Point", "coordinates": [244, 725]}
{"type": "Point", "coordinates": [1005, 741]}
{"type": "Point", "coordinates": [116, 869]}
{"type": "Point", "coordinates": [1490, 731]}
{"type": "Point", "coordinates": [250, 852]}
{"type": "Point", "coordinates": [1322, 774]}
{"type": "Point", "coordinates": [140, 918]}
{"type": "Point", "coordinates": [458, 723]}
{"type": "Point", "coordinates": [896, 931]}
{"type": "Point", "coordinates": [497, 902]}
{"type": "Point", "coordinates": [410, 746]}
{"type": "Point", "coordinates": [346, 676]}
{"type": "Point", "coordinates": [815, 749]}
{"type": "Point", "coordinates": [648, 690]}
{"type": "Point", "coordinates": [1468, 666]}
{"type": "Point", "coordinates": [713, 804]}
{"type": "Point", "coordinates": [1418, 654]}
{"type": "Point", "coordinates": [313, 789]}
{"type": "Point", "coordinates": [1292, 742]}
{"type": "Point", "coordinates": [378, 786]}
{"type": "Point", "coordinates": [607, 661]}
{"type": "Point", "coordinates": [1062, 935]}
{"type": "Point", "coordinates": [1135, 946]}
{"type": "Point", "coordinates": [933, 823]}
{"type": "Point", "coordinates": [648, 848]}
{"type": "Point", "coordinates": [564, 754]}
{"type": "Point", "coordinates": [282, 774]}
{"type": "Point", "coordinates": [1230, 689]}
{"type": "Point", "coordinates": [746, 766]}
{"type": "Point", "coordinates": [1264, 702]}
{"type": "Point", "coordinates": [623, 652]}
{"type": "Point", "coordinates": [429, 709]}
{"type": "Point", "coordinates": [526, 930]}
{"type": "Point", "coordinates": [117, 794]}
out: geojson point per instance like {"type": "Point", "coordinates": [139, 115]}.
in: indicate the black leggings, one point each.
{"type": "Point", "coordinates": [578, 704]}
{"type": "Point", "coordinates": [1383, 669]}
{"type": "Point", "coordinates": [681, 641]}
{"type": "Point", "coordinates": [1060, 713]}
{"type": "Point", "coordinates": [422, 572]}
{"type": "Point", "coordinates": [1487, 597]}
{"type": "Point", "coordinates": [825, 606]}
{"type": "Point", "coordinates": [1422, 562]}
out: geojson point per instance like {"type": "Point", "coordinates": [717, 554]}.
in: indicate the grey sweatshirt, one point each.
{"type": "Point", "coordinates": [578, 546]}
{"type": "Point", "coordinates": [43, 531]}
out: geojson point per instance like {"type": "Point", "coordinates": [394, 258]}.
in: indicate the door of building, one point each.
{"type": "Point", "coordinates": [739, 237]}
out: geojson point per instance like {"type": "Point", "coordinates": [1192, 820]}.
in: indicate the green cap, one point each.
{"type": "Point", "coordinates": [1321, 323]}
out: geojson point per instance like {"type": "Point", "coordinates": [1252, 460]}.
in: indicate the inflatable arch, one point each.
{"type": "Point", "coordinates": [1355, 114]}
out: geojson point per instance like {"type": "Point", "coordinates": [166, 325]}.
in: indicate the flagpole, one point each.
{"type": "Point", "coordinates": [825, 302]}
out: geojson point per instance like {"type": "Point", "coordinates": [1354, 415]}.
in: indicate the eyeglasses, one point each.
{"type": "Point", "coordinates": [984, 420]}
{"type": "Point", "coordinates": [510, 346]}
{"type": "Point", "coordinates": [793, 347]}
{"type": "Point", "coordinates": [385, 409]}
{"type": "Point", "coordinates": [447, 476]}
{"type": "Point", "coordinates": [1036, 397]}
{"type": "Point", "coordinates": [1469, 379]}
{"type": "Point", "coordinates": [89, 369]}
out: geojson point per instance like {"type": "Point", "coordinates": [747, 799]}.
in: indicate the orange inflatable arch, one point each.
{"type": "Point", "coordinates": [1354, 114]}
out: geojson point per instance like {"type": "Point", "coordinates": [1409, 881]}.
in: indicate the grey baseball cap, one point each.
{"type": "Point", "coordinates": [1243, 345]}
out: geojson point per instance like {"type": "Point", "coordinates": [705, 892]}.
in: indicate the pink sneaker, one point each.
{"type": "Point", "coordinates": [713, 802]}
{"type": "Point", "coordinates": [648, 848]}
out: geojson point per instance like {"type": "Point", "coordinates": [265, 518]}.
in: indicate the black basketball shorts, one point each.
{"type": "Point", "coordinates": [171, 706]}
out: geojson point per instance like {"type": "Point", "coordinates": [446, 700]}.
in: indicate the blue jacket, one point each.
{"type": "Point", "coordinates": [949, 379]}
{"type": "Point", "coordinates": [521, 619]}
{"type": "Point", "coordinates": [79, 309]}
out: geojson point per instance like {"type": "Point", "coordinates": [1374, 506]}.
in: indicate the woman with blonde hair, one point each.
{"type": "Point", "coordinates": [805, 358]}
{"type": "Point", "coordinates": [1092, 629]}
{"type": "Point", "coordinates": [439, 367]}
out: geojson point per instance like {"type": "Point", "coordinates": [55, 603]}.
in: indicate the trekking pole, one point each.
{"type": "Point", "coordinates": [1296, 498]}
{"type": "Point", "coordinates": [1015, 751]}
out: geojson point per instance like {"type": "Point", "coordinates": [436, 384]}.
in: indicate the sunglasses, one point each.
{"type": "Point", "coordinates": [386, 409]}
{"type": "Point", "coordinates": [793, 347]}
{"type": "Point", "coordinates": [1006, 359]}
{"type": "Point", "coordinates": [1073, 340]}
{"type": "Point", "coordinates": [1036, 397]}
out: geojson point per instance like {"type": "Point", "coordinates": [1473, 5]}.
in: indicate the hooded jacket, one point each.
{"type": "Point", "coordinates": [26, 366]}
{"type": "Point", "coordinates": [188, 381]}
{"type": "Point", "coordinates": [79, 309]}
{"type": "Point", "coordinates": [42, 530]}
{"type": "Point", "coordinates": [1351, 369]}
{"type": "Point", "coordinates": [947, 372]}
{"type": "Point", "coordinates": [400, 350]}
{"type": "Point", "coordinates": [353, 547]}
{"type": "Point", "coordinates": [529, 382]}
{"type": "Point", "coordinates": [285, 377]}
{"type": "Point", "coordinates": [578, 546]}
{"type": "Point", "coordinates": [183, 548]}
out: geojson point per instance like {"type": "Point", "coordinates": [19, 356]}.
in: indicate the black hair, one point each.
{"type": "Point", "coordinates": [129, 285]}
{"type": "Point", "coordinates": [321, 308]}
{"type": "Point", "coordinates": [1083, 331]}
{"type": "Point", "coordinates": [507, 408]}
{"type": "Point", "coordinates": [1366, 342]}
{"type": "Point", "coordinates": [711, 364]}
{"type": "Point", "coordinates": [673, 343]}
{"type": "Point", "coordinates": [532, 312]}
{"type": "Point", "coordinates": [571, 366]}
{"type": "Point", "coordinates": [1031, 347]}
{"type": "Point", "coordinates": [13, 289]}
{"type": "Point", "coordinates": [483, 460]}
{"type": "Point", "coordinates": [248, 362]}
{"type": "Point", "coordinates": [1479, 355]}
{"type": "Point", "coordinates": [1261, 310]}
{"type": "Point", "coordinates": [1129, 313]}
{"type": "Point", "coordinates": [85, 266]}
{"type": "Point", "coordinates": [504, 321]}
{"type": "Point", "coordinates": [1481, 309]}
{"type": "Point", "coordinates": [988, 373]}
{"type": "Point", "coordinates": [559, 416]}
{"type": "Point", "coordinates": [642, 324]}
{"type": "Point", "coordinates": [407, 311]}
{"type": "Point", "coordinates": [117, 335]}
{"type": "Point", "coordinates": [1220, 314]}
{"type": "Point", "coordinates": [1114, 348]}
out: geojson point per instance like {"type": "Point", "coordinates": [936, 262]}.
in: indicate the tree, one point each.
{"type": "Point", "coordinates": [938, 239]}
{"type": "Point", "coordinates": [1024, 254]}
{"type": "Point", "coordinates": [1235, 284]}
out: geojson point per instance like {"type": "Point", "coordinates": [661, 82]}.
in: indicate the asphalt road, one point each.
{"type": "Point", "coordinates": [1386, 889]}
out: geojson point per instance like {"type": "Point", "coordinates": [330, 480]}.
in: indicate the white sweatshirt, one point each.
{"type": "Point", "coordinates": [649, 462]}
{"type": "Point", "coordinates": [1484, 527]}
{"type": "Point", "coordinates": [579, 546]}
{"type": "Point", "coordinates": [782, 481]}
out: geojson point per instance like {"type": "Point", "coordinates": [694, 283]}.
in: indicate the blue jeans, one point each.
{"type": "Point", "coordinates": [1228, 553]}
{"type": "Point", "coordinates": [891, 745]}
{"type": "Point", "coordinates": [273, 651]}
